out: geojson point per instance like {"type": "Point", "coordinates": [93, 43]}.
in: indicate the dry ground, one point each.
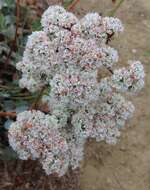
{"type": "Point", "coordinates": [127, 165]}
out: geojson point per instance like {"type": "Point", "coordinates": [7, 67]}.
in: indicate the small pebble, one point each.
{"type": "Point", "coordinates": [134, 51]}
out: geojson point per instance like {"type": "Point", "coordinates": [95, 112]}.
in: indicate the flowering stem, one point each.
{"type": "Point", "coordinates": [110, 70]}
{"type": "Point", "coordinates": [113, 12]}
{"type": "Point", "coordinates": [8, 87]}
{"type": "Point", "coordinates": [36, 101]}
{"type": "Point", "coordinates": [22, 97]}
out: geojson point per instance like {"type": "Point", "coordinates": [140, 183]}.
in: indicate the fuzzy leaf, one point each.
{"type": "Point", "coordinates": [2, 21]}
{"type": "Point", "coordinates": [8, 123]}
{"type": "Point", "coordinates": [7, 154]}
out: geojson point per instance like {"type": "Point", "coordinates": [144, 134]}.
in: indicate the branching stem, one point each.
{"type": "Point", "coordinates": [8, 114]}
{"type": "Point", "coordinates": [113, 12]}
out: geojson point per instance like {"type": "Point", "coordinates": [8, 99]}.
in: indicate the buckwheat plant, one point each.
{"type": "Point", "coordinates": [67, 57]}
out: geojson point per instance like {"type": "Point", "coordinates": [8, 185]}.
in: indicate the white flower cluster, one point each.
{"type": "Point", "coordinates": [67, 57]}
{"type": "Point", "coordinates": [36, 135]}
{"type": "Point", "coordinates": [129, 80]}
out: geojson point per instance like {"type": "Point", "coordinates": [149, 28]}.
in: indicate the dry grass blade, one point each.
{"type": "Point", "coordinates": [113, 12]}
{"type": "Point", "coordinates": [73, 4]}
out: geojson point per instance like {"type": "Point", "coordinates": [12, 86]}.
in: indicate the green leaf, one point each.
{"type": "Point", "coordinates": [66, 3]}
{"type": "Point", "coordinates": [10, 3]}
{"type": "Point", "coordinates": [2, 21]}
{"type": "Point", "coordinates": [9, 32]}
{"type": "Point", "coordinates": [9, 105]}
{"type": "Point", "coordinates": [36, 25]}
{"type": "Point", "coordinates": [10, 19]}
{"type": "Point", "coordinates": [1, 4]}
{"type": "Point", "coordinates": [7, 154]}
{"type": "Point", "coordinates": [4, 94]}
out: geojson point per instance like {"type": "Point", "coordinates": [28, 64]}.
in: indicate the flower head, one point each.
{"type": "Point", "coordinates": [70, 57]}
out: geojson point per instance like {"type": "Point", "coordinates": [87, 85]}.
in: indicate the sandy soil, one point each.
{"type": "Point", "coordinates": [125, 166]}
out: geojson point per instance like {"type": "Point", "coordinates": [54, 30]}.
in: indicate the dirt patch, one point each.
{"type": "Point", "coordinates": [125, 166]}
